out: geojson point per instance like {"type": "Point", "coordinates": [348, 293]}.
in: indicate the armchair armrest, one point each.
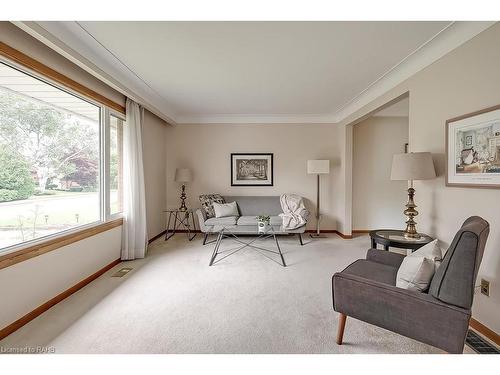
{"type": "Point", "coordinates": [385, 257]}
{"type": "Point", "coordinates": [201, 220]}
{"type": "Point", "coordinates": [413, 314]}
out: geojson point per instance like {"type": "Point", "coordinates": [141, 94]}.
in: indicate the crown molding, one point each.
{"type": "Point", "coordinates": [256, 119]}
{"type": "Point", "coordinates": [73, 42]}
{"type": "Point", "coordinates": [68, 37]}
{"type": "Point", "coordinates": [448, 39]}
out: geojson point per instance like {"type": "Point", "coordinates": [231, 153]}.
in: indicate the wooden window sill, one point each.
{"type": "Point", "coordinates": [43, 247]}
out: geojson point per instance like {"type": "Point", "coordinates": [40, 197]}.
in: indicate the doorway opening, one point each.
{"type": "Point", "coordinates": [377, 202]}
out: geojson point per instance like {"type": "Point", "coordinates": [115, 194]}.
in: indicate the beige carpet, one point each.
{"type": "Point", "coordinates": [172, 302]}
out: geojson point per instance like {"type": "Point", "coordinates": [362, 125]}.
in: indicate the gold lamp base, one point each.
{"type": "Point", "coordinates": [183, 199]}
{"type": "Point", "coordinates": [411, 212]}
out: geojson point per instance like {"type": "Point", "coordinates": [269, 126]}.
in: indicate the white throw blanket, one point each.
{"type": "Point", "coordinates": [294, 212]}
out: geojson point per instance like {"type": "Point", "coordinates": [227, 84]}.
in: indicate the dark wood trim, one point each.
{"type": "Point", "coordinates": [361, 231]}
{"type": "Point", "coordinates": [342, 235]}
{"type": "Point", "coordinates": [253, 153]}
{"type": "Point", "coordinates": [4, 332]}
{"type": "Point", "coordinates": [447, 126]}
{"type": "Point", "coordinates": [322, 231]}
{"type": "Point", "coordinates": [43, 247]}
{"type": "Point", "coordinates": [485, 331]}
{"type": "Point", "coordinates": [157, 236]}
{"type": "Point", "coordinates": [32, 64]}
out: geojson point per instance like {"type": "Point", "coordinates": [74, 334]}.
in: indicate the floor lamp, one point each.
{"type": "Point", "coordinates": [318, 167]}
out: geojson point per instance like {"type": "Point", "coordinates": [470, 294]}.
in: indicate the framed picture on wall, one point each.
{"type": "Point", "coordinates": [253, 169]}
{"type": "Point", "coordinates": [473, 149]}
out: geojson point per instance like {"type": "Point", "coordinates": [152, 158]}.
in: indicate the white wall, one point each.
{"type": "Point", "coordinates": [206, 150]}
{"type": "Point", "coordinates": [27, 285]}
{"type": "Point", "coordinates": [378, 202]}
{"type": "Point", "coordinates": [465, 80]}
{"type": "Point", "coordinates": [155, 158]}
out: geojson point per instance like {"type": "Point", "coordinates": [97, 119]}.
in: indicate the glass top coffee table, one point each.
{"type": "Point", "coordinates": [237, 233]}
{"type": "Point", "coordinates": [395, 238]}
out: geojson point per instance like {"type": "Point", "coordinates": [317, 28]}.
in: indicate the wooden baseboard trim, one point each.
{"type": "Point", "coordinates": [344, 236]}
{"type": "Point", "coordinates": [322, 231]}
{"type": "Point", "coordinates": [361, 231]}
{"type": "Point", "coordinates": [485, 331]}
{"type": "Point", "coordinates": [177, 231]}
{"type": "Point", "coordinates": [157, 236]}
{"type": "Point", "coordinates": [4, 332]}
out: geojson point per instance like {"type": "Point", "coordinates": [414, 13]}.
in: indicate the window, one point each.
{"type": "Point", "coordinates": [51, 159]}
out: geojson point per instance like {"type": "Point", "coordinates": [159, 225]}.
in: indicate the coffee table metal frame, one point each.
{"type": "Point", "coordinates": [226, 232]}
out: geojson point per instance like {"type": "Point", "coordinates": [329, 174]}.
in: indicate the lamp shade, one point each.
{"type": "Point", "coordinates": [318, 166]}
{"type": "Point", "coordinates": [412, 166]}
{"type": "Point", "coordinates": [183, 175]}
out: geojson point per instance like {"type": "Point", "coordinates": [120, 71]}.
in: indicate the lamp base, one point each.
{"type": "Point", "coordinates": [183, 199]}
{"type": "Point", "coordinates": [411, 212]}
{"type": "Point", "coordinates": [411, 236]}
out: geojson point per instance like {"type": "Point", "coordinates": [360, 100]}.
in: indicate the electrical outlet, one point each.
{"type": "Point", "coordinates": [485, 287]}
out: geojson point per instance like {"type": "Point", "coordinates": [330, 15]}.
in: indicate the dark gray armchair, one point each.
{"type": "Point", "coordinates": [366, 290]}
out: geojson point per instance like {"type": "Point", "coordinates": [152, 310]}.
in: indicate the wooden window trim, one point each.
{"type": "Point", "coordinates": [36, 66]}
{"type": "Point", "coordinates": [44, 247]}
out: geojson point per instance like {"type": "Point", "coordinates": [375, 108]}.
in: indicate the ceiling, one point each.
{"type": "Point", "coordinates": [209, 69]}
{"type": "Point", "coordinates": [206, 72]}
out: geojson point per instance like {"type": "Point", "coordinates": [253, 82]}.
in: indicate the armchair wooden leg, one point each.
{"type": "Point", "coordinates": [340, 331]}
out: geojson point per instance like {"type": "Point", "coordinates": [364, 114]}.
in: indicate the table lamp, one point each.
{"type": "Point", "coordinates": [183, 175]}
{"type": "Point", "coordinates": [318, 167]}
{"type": "Point", "coordinates": [409, 167]}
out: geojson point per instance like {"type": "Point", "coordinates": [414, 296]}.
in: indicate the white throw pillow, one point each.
{"type": "Point", "coordinates": [225, 209]}
{"type": "Point", "coordinates": [415, 273]}
{"type": "Point", "coordinates": [417, 269]}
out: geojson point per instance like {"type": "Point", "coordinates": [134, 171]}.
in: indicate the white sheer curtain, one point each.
{"type": "Point", "coordinates": [134, 197]}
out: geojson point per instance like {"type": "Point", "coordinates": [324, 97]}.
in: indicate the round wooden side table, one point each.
{"type": "Point", "coordinates": [395, 238]}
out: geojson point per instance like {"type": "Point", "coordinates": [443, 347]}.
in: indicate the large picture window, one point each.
{"type": "Point", "coordinates": [51, 159]}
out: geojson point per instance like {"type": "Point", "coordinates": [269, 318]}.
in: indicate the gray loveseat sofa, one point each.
{"type": "Point", "coordinates": [249, 208]}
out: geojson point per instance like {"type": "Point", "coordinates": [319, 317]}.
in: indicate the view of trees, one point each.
{"type": "Point", "coordinates": [16, 181]}
{"type": "Point", "coordinates": [42, 148]}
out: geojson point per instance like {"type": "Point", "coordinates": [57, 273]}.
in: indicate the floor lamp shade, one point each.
{"type": "Point", "coordinates": [318, 166]}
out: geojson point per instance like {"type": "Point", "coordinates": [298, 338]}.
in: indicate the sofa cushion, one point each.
{"type": "Point", "coordinates": [373, 271]}
{"type": "Point", "coordinates": [230, 220]}
{"type": "Point", "coordinates": [251, 220]}
{"type": "Point", "coordinates": [207, 203]}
